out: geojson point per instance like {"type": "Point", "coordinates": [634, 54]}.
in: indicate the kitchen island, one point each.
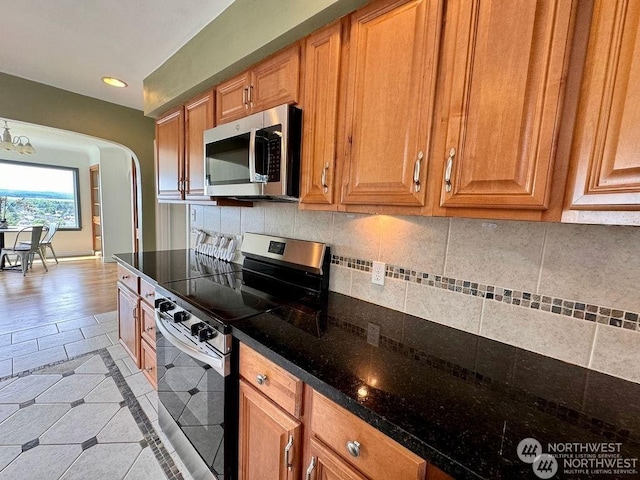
{"type": "Point", "coordinates": [464, 403]}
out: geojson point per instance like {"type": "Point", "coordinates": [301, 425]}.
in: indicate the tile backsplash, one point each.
{"type": "Point", "coordinates": [565, 291]}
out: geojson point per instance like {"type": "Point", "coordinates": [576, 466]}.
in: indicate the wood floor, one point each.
{"type": "Point", "coordinates": [72, 289]}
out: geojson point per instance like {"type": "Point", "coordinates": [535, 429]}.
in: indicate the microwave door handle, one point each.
{"type": "Point", "coordinates": [252, 155]}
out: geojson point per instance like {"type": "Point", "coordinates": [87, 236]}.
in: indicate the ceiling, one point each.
{"type": "Point", "coordinates": [72, 44]}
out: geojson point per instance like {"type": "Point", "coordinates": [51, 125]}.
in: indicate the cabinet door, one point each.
{"type": "Point", "coordinates": [198, 117]}
{"type": "Point", "coordinates": [325, 464]}
{"type": "Point", "coordinates": [320, 105]}
{"type": "Point", "coordinates": [504, 63]}
{"type": "Point", "coordinates": [232, 98]}
{"type": "Point", "coordinates": [606, 170]}
{"type": "Point", "coordinates": [393, 49]}
{"type": "Point", "coordinates": [147, 324]}
{"type": "Point", "coordinates": [170, 155]}
{"type": "Point", "coordinates": [266, 434]}
{"type": "Point", "coordinates": [128, 323]}
{"type": "Point", "coordinates": [148, 363]}
{"type": "Point", "coordinates": [276, 80]}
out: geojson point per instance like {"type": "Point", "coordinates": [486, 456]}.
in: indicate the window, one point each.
{"type": "Point", "coordinates": [37, 194]}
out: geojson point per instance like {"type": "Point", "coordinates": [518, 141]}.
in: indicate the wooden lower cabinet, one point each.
{"type": "Point", "coordinates": [128, 322]}
{"type": "Point", "coordinates": [136, 321]}
{"type": "Point", "coordinates": [148, 363]}
{"type": "Point", "coordinates": [271, 443]}
{"type": "Point", "coordinates": [269, 438]}
{"type": "Point", "coordinates": [325, 464]}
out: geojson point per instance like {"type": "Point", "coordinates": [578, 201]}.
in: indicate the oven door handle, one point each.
{"type": "Point", "coordinates": [216, 362]}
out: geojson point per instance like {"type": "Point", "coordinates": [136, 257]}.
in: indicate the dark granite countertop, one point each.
{"type": "Point", "coordinates": [462, 402]}
{"type": "Point", "coordinates": [162, 266]}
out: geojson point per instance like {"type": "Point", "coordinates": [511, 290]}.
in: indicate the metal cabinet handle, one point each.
{"type": "Point", "coordinates": [353, 447]}
{"type": "Point", "coordinates": [447, 173]}
{"type": "Point", "coordinates": [323, 177]}
{"type": "Point", "coordinates": [148, 329]}
{"type": "Point", "coordinates": [124, 277]}
{"type": "Point", "coordinates": [148, 369]}
{"type": "Point", "coordinates": [261, 378]}
{"type": "Point", "coordinates": [310, 468]}
{"type": "Point", "coordinates": [287, 451]}
{"type": "Point", "coordinates": [416, 171]}
{"type": "Point", "coordinates": [250, 94]}
{"type": "Point", "coordinates": [150, 294]}
{"type": "Point", "coordinates": [245, 93]}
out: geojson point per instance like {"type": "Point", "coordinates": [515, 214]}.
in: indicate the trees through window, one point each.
{"type": "Point", "coordinates": [35, 194]}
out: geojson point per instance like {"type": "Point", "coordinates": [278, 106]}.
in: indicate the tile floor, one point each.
{"type": "Point", "coordinates": [91, 417]}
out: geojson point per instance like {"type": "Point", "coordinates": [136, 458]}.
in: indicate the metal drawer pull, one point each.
{"type": "Point", "coordinates": [261, 378]}
{"type": "Point", "coordinates": [287, 451]}
{"type": "Point", "coordinates": [245, 91]}
{"type": "Point", "coordinates": [148, 369]}
{"type": "Point", "coordinates": [416, 171]}
{"type": "Point", "coordinates": [323, 177]}
{"type": "Point", "coordinates": [148, 329]}
{"type": "Point", "coordinates": [353, 448]}
{"type": "Point", "coordinates": [447, 173]}
{"type": "Point", "coordinates": [310, 469]}
{"type": "Point", "coordinates": [124, 277]}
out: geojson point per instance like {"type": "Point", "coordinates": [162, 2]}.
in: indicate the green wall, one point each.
{"type": "Point", "coordinates": [246, 32]}
{"type": "Point", "coordinates": [40, 104]}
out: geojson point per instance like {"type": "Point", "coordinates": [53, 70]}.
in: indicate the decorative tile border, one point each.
{"type": "Point", "coordinates": [149, 434]}
{"type": "Point", "coordinates": [547, 303]}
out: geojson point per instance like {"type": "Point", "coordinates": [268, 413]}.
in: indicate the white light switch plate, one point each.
{"type": "Point", "coordinates": [377, 273]}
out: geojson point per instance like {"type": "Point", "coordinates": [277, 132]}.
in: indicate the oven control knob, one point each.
{"type": "Point", "coordinates": [159, 301]}
{"type": "Point", "coordinates": [180, 316]}
{"type": "Point", "coordinates": [207, 333]}
{"type": "Point", "coordinates": [196, 327]}
{"type": "Point", "coordinates": [166, 306]}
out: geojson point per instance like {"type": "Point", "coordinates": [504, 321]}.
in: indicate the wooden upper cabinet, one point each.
{"type": "Point", "coordinates": [504, 64]}
{"type": "Point", "coordinates": [393, 53]}
{"type": "Point", "coordinates": [232, 98]}
{"type": "Point", "coordinates": [170, 155]}
{"type": "Point", "coordinates": [320, 105]}
{"type": "Point", "coordinates": [272, 82]}
{"type": "Point", "coordinates": [276, 80]}
{"type": "Point", "coordinates": [605, 171]}
{"type": "Point", "coordinates": [198, 117]}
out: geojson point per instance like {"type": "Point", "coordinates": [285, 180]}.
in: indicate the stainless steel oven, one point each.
{"type": "Point", "coordinates": [197, 389]}
{"type": "Point", "coordinates": [197, 362]}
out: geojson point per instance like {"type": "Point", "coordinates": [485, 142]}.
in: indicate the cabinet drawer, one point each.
{"type": "Point", "coordinates": [272, 380]}
{"type": "Point", "coordinates": [379, 456]}
{"type": "Point", "coordinates": [147, 291]}
{"type": "Point", "coordinates": [128, 278]}
{"type": "Point", "coordinates": [148, 324]}
{"type": "Point", "coordinates": [148, 363]}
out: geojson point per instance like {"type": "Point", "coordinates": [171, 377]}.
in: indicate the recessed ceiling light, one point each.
{"type": "Point", "coordinates": [114, 82]}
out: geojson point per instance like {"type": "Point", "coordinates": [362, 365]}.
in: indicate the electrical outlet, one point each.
{"type": "Point", "coordinates": [377, 273]}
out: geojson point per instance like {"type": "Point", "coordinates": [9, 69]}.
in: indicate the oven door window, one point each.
{"type": "Point", "coordinates": [228, 160]}
{"type": "Point", "coordinates": [269, 152]}
{"type": "Point", "coordinates": [193, 394]}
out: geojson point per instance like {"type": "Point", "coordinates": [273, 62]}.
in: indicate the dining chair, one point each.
{"type": "Point", "coordinates": [26, 252]}
{"type": "Point", "coordinates": [49, 231]}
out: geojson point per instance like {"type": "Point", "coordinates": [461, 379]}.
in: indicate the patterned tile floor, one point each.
{"type": "Point", "coordinates": [91, 417]}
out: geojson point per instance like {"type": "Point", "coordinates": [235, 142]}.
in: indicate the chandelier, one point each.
{"type": "Point", "coordinates": [19, 143]}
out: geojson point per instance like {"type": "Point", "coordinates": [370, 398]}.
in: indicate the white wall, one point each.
{"type": "Point", "coordinates": [117, 208]}
{"type": "Point", "coordinates": [66, 243]}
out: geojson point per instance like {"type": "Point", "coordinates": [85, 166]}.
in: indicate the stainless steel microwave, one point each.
{"type": "Point", "coordinates": [256, 157]}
